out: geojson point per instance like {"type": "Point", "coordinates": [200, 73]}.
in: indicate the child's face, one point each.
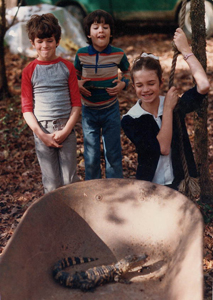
{"type": "Point", "coordinates": [45, 48]}
{"type": "Point", "coordinates": [100, 34]}
{"type": "Point", "coordinates": [147, 85]}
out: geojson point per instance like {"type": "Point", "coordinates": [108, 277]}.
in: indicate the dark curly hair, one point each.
{"type": "Point", "coordinates": [99, 16]}
{"type": "Point", "coordinates": [43, 26]}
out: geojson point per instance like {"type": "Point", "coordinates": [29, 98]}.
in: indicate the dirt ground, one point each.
{"type": "Point", "coordinates": [20, 174]}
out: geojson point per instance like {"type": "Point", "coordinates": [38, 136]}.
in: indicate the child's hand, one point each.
{"type": "Point", "coordinates": [116, 89]}
{"type": "Point", "coordinates": [171, 98]}
{"type": "Point", "coordinates": [59, 136]}
{"type": "Point", "coordinates": [82, 89]}
{"type": "Point", "coordinates": [181, 42]}
{"type": "Point", "coordinates": [48, 140]}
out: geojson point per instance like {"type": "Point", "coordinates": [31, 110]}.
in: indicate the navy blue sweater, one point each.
{"type": "Point", "coordinates": [143, 131]}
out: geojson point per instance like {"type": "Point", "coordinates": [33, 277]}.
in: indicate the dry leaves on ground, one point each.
{"type": "Point", "coordinates": [20, 174]}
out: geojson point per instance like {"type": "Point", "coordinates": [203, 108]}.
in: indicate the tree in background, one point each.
{"type": "Point", "coordinates": [4, 92]}
{"type": "Point", "coordinates": [201, 134]}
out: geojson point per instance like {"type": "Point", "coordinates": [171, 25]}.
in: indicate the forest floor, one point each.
{"type": "Point", "coordinates": [20, 174]}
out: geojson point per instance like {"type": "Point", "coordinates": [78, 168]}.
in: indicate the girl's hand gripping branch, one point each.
{"type": "Point", "coordinates": [165, 134]}
{"type": "Point", "coordinates": [196, 68]}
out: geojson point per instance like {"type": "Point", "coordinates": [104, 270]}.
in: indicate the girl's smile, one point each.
{"type": "Point", "coordinates": [147, 87]}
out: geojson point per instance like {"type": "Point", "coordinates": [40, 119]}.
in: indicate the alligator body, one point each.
{"type": "Point", "coordinates": [93, 277]}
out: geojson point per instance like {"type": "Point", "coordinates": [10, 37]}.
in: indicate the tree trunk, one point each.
{"type": "Point", "coordinates": [200, 117]}
{"type": "Point", "coordinates": [3, 79]}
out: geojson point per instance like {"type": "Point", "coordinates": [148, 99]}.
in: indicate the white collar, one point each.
{"type": "Point", "coordinates": [136, 111]}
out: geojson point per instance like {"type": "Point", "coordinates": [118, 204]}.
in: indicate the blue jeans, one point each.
{"type": "Point", "coordinates": [58, 165]}
{"type": "Point", "coordinates": [105, 122]}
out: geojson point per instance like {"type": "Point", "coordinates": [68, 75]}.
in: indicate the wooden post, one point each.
{"type": "Point", "coordinates": [201, 135]}
{"type": "Point", "coordinates": [3, 79]}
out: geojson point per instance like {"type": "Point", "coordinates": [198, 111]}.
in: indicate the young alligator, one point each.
{"type": "Point", "coordinates": [93, 277]}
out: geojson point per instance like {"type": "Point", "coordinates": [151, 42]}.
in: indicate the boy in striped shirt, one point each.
{"type": "Point", "coordinates": [97, 71]}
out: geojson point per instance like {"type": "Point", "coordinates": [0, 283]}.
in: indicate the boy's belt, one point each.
{"type": "Point", "coordinates": [57, 124]}
{"type": "Point", "coordinates": [92, 87]}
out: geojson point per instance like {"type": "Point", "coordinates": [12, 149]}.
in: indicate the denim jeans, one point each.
{"type": "Point", "coordinates": [58, 165]}
{"type": "Point", "coordinates": [106, 123]}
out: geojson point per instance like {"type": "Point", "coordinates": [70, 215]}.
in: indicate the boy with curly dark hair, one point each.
{"type": "Point", "coordinates": [51, 103]}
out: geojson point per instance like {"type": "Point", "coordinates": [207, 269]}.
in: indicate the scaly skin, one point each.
{"type": "Point", "coordinates": [93, 277]}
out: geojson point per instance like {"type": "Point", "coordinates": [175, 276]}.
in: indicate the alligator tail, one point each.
{"type": "Point", "coordinates": [70, 261]}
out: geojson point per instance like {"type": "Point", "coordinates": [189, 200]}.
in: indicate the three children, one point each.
{"type": "Point", "coordinates": [51, 106]}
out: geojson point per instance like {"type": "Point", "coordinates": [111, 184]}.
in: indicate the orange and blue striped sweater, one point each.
{"type": "Point", "coordinates": [102, 69]}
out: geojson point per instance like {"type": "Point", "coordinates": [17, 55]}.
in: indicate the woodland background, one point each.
{"type": "Point", "coordinates": [20, 177]}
